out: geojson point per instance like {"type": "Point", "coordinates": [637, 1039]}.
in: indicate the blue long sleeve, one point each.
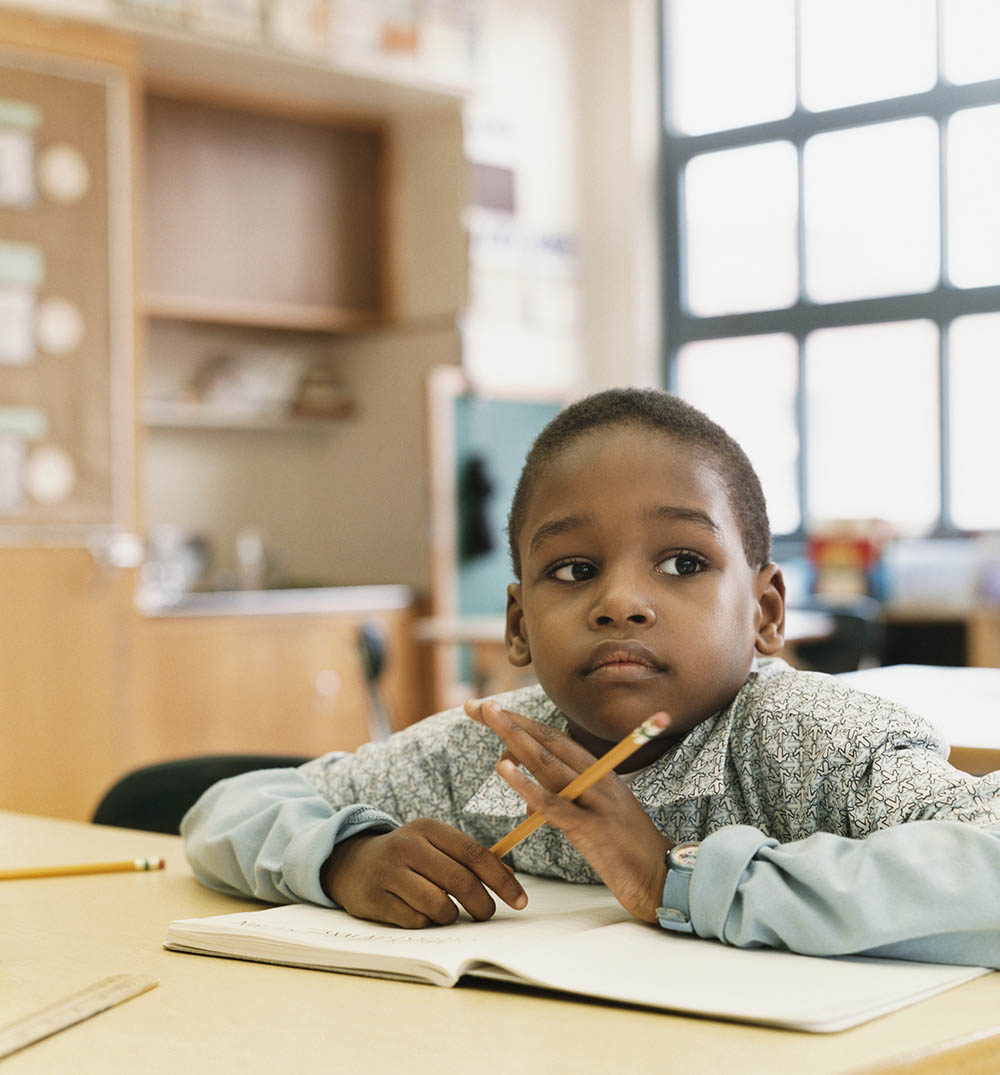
{"type": "Point", "coordinates": [267, 833]}
{"type": "Point", "coordinates": [926, 890]}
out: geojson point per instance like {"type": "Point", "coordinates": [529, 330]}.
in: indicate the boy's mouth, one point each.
{"type": "Point", "coordinates": [621, 661]}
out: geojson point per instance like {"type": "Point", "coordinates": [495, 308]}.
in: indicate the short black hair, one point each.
{"type": "Point", "coordinates": [663, 413]}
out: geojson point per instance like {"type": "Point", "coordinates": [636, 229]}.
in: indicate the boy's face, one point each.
{"type": "Point", "coordinates": [635, 593]}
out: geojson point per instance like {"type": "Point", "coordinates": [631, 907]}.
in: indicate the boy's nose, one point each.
{"type": "Point", "coordinates": [622, 600]}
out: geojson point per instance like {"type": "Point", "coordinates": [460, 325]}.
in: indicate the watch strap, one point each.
{"type": "Point", "coordinates": [675, 911]}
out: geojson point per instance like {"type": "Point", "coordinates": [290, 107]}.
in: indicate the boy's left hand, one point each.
{"type": "Point", "coordinates": [606, 824]}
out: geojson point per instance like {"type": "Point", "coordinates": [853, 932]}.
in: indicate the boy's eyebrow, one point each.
{"type": "Point", "coordinates": [554, 527]}
{"type": "Point", "coordinates": [558, 526]}
{"type": "Point", "coordinates": [687, 515]}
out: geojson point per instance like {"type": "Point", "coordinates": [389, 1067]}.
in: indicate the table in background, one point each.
{"type": "Point", "coordinates": [958, 636]}
{"type": "Point", "coordinates": [493, 673]}
{"type": "Point", "coordinates": [962, 703]}
{"type": "Point", "coordinates": [219, 1015]}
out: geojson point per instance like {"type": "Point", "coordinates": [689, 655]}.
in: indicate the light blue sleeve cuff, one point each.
{"type": "Point", "coordinates": [309, 849]}
{"type": "Point", "coordinates": [722, 861]}
{"type": "Point", "coordinates": [266, 833]}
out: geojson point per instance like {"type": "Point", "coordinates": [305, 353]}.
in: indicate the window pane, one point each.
{"type": "Point", "coordinates": [970, 30]}
{"type": "Point", "coordinates": [974, 388]}
{"type": "Point", "coordinates": [730, 63]}
{"type": "Point", "coordinates": [974, 196]}
{"type": "Point", "coordinates": [871, 210]}
{"type": "Point", "coordinates": [736, 381]}
{"type": "Point", "coordinates": [872, 421]}
{"type": "Point", "coordinates": [740, 219]}
{"type": "Point", "coordinates": [860, 50]}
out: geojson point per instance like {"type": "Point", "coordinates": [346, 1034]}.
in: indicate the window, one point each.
{"type": "Point", "coordinates": [832, 250]}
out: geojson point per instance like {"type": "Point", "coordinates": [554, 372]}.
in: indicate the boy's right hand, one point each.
{"type": "Point", "coordinates": [406, 877]}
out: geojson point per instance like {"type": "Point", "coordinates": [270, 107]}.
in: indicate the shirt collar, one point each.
{"type": "Point", "coordinates": [696, 767]}
{"type": "Point", "coordinates": [693, 769]}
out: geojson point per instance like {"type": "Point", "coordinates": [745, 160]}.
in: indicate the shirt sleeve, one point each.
{"type": "Point", "coordinates": [266, 834]}
{"type": "Point", "coordinates": [925, 890]}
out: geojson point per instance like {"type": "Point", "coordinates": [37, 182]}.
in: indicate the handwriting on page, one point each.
{"type": "Point", "coordinates": [526, 928]}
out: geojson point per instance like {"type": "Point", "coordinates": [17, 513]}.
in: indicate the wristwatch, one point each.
{"type": "Point", "coordinates": [675, 913]}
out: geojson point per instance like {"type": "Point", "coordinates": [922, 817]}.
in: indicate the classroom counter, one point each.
{"type": "Point", "coordinates": [304, 601]}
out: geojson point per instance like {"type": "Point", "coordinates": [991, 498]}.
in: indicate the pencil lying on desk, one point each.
{"type": "Point", "coordinates": [82, 867]}
{"type": "Point", "coordinates": [649, 729]}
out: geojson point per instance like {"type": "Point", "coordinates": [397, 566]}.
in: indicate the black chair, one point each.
{"type": "Point", "coordinates": [372, 650]}
{"type": "Point", "coordinates": [155, 797]}
{"type": "Point", "coordinates": [857, 640]}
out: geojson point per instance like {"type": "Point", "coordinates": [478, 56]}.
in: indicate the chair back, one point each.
{"type": "Point", "coordinates": [857, 640]}
{"type": "Point", "coordinates": [154, 798]}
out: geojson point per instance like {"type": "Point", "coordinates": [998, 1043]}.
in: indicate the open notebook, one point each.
{"type": "Point", "coordinates": [577, 939]}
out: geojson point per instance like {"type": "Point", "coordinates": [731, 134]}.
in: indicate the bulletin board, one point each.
{"type": "Point", "coordinates": [65, 299]}
{"type": "Point", "coordinates": [478, 443]}
{"type": "Point", "coordinates": [492, 438]}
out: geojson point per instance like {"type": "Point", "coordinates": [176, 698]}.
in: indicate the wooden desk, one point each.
{"type": "Point", "coordinates": [219, 1015]}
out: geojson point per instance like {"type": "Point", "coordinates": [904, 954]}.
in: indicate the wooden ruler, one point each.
{"type": "Point", "coordinates": [72, 1009]}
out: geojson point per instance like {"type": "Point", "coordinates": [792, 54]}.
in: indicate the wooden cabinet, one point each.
{"type": "Point", "coordinates": [64, 628]}
{"type": "Point", "coordinates": [268, 684]}
{"type": "Point", "coordinates": [282, 225]}
{"type": "Point", "coordinates": [260, 216]}
{"type": "Point", "coordinates": [64, 714]}
{"type": "Point", "coordinates": [236, 196]}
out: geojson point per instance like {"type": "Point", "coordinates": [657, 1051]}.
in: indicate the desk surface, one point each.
{"type": "Point", "coordinates": [219, 1015]}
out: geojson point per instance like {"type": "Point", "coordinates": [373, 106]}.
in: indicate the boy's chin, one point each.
{"type": "Point", "coordinates": [605, 729]}
{"type": "Point", "coordinates": [600, 728]}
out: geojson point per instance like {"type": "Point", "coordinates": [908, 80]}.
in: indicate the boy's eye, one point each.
{"type": "Point", "coordinates": [682, 563]}
{"type": "Point", "coordinates": [574, 571]}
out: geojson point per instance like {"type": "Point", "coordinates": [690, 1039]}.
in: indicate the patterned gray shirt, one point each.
{"type": "Point", "coordinates": [794, 753]}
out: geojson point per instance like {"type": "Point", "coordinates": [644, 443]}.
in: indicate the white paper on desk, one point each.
{"type": "Point", "coordinates": [577, 939]}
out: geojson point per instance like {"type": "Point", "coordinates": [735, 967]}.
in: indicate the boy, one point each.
{"type": "Point", "coordinates": [770, 812]}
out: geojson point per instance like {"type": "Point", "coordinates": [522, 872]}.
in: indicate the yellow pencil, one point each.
{"type": "Point", "coordinates": [649, 729]}
{"type": "Point", "coordinates": [82, 867]}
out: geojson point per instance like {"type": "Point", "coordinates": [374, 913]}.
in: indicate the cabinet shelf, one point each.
{"type": "Point", "coordinates": [289, 317]}
{"type": "Point", "coordinates": [158, 415]}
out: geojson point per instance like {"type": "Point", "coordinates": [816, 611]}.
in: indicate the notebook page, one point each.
{"type": "Point", "coordinates": [642, 964]}
{"type": "Point", "coordinates": [307, 935]}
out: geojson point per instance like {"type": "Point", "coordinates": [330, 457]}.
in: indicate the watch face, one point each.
{"type": "Point", "coordinates": [685, 855]}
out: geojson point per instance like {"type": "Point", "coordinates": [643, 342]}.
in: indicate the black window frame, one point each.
{"type": "Point", "coordinates": [941, 304]}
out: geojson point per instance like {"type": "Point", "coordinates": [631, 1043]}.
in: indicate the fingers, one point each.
{"type": "Point", "coordinates": [469, 866]}
{"type": "Point", "coordinates": [549, 755]}
{"type": "Point", "coordinates": [421, 874]}
{"type": "Point", "coordinates": [538, 799]}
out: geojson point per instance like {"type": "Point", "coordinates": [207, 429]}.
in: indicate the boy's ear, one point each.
{"type": "Point", "coordinates": [770, 593]}
{"type": "Point", "coordinates": [516, 637]}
